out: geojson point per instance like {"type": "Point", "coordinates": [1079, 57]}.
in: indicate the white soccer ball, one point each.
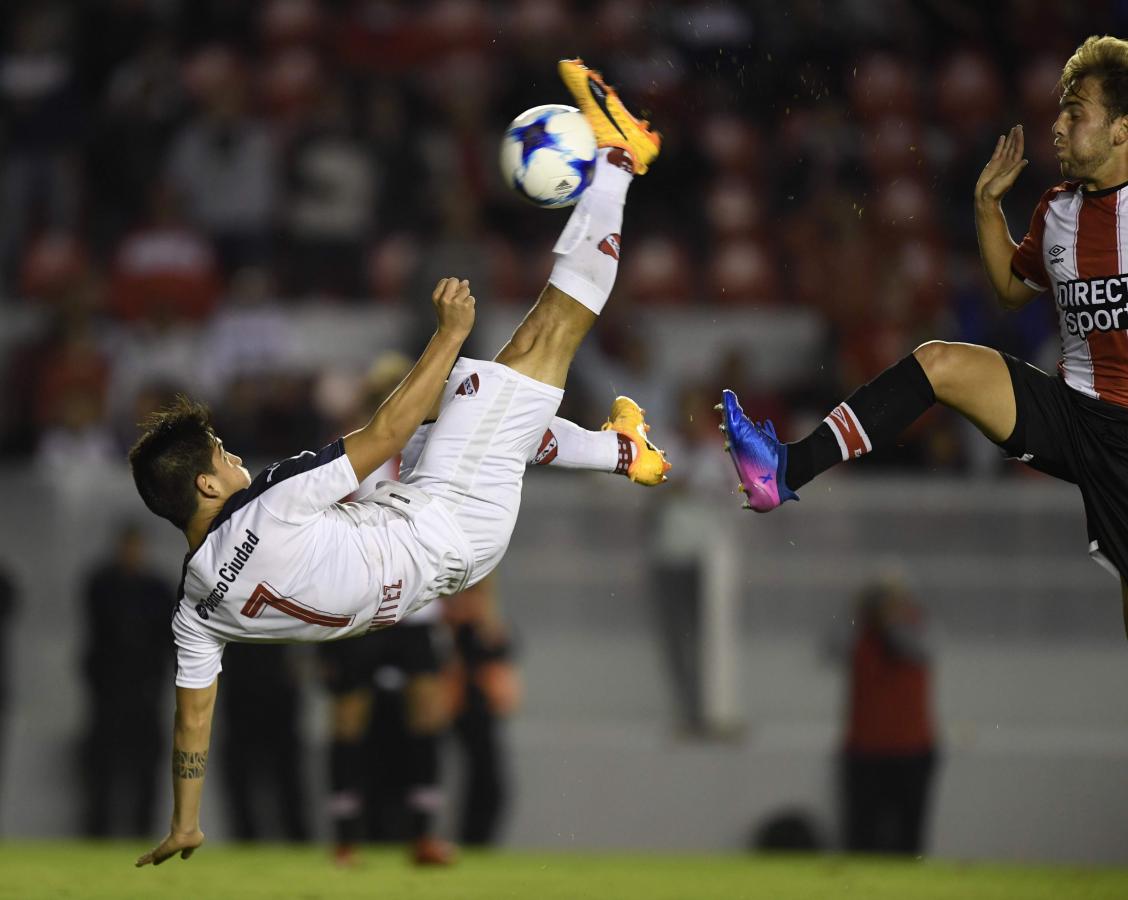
{"type": "Point", "coordinates": [548, 155]}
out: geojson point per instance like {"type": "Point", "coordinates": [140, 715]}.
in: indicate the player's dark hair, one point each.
{"type": "Point", "coordinates": [1105, 59]}
{"type": "Point", "coordinates": [176, 446]}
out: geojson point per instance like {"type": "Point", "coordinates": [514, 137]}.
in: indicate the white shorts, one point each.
{"type": "Point", "coordinates": [491, 421]}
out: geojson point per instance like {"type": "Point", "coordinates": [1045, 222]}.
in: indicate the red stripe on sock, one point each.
{"type": "Point", "coordinates": [852, 437]}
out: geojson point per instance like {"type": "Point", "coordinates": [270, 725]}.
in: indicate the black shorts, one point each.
{"type": "Point", "coordinates": [1063, 433]}
{"type": "Point", "coordinates": [352, 663]}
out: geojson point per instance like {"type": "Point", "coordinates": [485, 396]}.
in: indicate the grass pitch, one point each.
{"type": "Point", "coordinates": [94, 871]}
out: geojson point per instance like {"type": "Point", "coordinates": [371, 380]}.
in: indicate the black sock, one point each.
{"type": "Point", "coordinates": [871, 417]}
{"type": "Point", "coordinates": [346, 783]}
{"type": "Point", "coordinates": [424, 796]}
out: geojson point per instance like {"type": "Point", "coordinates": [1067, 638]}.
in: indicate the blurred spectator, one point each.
{"type": "Point", "coordinates": [165, 269]}
{"type": "Point", "coordinates": [251, 336]}
{"type": "Point", "coordinates": [463, 244]}
{"type": "Point", "coordinates": [889, 748]}
{"type": "Point", "coordinates": [8, 606]}
{"type": "Point", "coordinates": [78, 441]}
{"type": "Point", "coordinates": [224, 162]}
{"type": "Point", "coordinates": [486, 690]}
{"type": "Point", "coordinates": [656, 270]}
{"type": "Point", "coordinates": [71, 381]}
{"type": "Point", "coordinates": [143, 102]}
{"type": "Point", "coordinates": [56, 270]}
{"type": "Point", "coordinates": [261, 747]}
{"type": "Point", "coordinates": [43, 124]}
{"type": "Point", "coordinates": [126, 615]}
{"type": "Point", "coordinates": [329, 205]}
{"type": "Point", "coordinates": [743, 273]}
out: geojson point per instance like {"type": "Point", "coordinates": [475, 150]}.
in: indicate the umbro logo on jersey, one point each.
{"type": "Point", "coordinates": [1056, 256]}
{"type": "Point", "coordinates": [611, 245]}
{"type": "Point", "coordinates": [469, 386]}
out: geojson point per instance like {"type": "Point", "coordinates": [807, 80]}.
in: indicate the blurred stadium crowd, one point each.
{"type": "Point", "coordinates": [177, 175]}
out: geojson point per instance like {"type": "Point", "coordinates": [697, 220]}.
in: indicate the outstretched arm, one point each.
{"type": "Point", "coordinates": [995, 244]}
{"type": "Point", "coordinates": [190, 737]}
{"type": "Point", "coordinates": [401, 414]}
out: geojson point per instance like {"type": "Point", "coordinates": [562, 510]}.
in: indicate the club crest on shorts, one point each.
{"type": "Point", "coordinates": [621, 159]}
{"type": "Point", "coordinates": [610, 245]}
{"type": "Point", "coordinates": [469, 386]}
{"type": "Point", "coordinates": [549, 447]}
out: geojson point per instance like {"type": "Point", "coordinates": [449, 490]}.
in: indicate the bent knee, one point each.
{"type": "Point", "coordinates": [936, 358]}
{"type": "Point", "coordinates": [949, 367]}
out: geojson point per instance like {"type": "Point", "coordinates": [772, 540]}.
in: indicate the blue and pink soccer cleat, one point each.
{"type": "Point", "coordinates": [759, 456]}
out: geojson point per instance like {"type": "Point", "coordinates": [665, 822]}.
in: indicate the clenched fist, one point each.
{"type": "Point", "coordinates": [454, 306]}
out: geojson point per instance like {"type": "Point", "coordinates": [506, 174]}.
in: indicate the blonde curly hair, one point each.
{"type": "Point", "coordinates": [1105, 58]}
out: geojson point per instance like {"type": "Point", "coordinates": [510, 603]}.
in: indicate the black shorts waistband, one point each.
{"type": "Point", "coordinates": [1103, 408]}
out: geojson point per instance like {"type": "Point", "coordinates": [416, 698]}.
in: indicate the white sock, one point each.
{"type": "Point", "coordinates": [564, 444]}
{"type": "Point", "coordinates": [569, 446]}
{"type": "Point", "coordinates": [587, 252]}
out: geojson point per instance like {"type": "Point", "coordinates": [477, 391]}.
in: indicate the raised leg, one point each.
{"type": "Point", "coordinates": [974, 381]}
{"type": "Point", "coordinates": [544, 344]}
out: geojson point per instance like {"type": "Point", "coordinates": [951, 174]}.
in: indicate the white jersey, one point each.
{"type": "Point", "coordinates": [285, 561]}
{"type": "Point", "coordinates": [429, 613]}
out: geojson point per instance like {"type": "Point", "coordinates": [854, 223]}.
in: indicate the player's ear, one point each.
{"type": "Point", "coordinates": [1120, 130]}
{"type": "Point", "coordinates": [207, 485]}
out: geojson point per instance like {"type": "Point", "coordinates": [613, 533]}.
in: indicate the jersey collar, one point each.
{"type": "Point", "coordinates": [1104, 192]}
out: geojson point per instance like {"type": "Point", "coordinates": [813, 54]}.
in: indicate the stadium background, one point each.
{"type": "Point", "coordinates": [808, 223]}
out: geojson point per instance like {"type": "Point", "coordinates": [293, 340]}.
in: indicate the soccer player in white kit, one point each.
{"type": "Point", "coordinates": [278, 558]}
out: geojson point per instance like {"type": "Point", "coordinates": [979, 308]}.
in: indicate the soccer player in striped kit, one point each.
{"type": "Point", "coordinates": [1072, 425]}
{"type": "Point", "coordinates": [278, 558]}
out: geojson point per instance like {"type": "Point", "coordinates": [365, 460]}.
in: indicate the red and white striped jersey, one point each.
{"type": "Point", "coordinates": [1078, 247]}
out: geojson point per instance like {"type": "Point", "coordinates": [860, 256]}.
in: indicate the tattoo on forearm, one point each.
{"type": "Point", "coordinates": [186, 764]}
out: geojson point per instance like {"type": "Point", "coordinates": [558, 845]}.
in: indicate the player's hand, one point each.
{"type": "Point", "coordinates": [1002, 168]}
{"type": "Point", "coordinates": [454, 306]}
{"type": "Point", "coordinates": [184, 843]}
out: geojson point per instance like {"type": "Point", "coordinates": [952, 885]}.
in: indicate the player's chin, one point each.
{"type": "Point", "coordinates": [246, 476]}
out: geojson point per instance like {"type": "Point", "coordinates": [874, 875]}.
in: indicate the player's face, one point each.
{"type": "Point", "coordinates": [1083, 132]}
{"type": "Point", "coordinates": [229, 469]}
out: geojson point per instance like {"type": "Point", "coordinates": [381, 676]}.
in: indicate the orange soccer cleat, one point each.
{"type": "Point", "coordinates": [613, 124]}
{"type": "Point", "coordinates": [649, 465]}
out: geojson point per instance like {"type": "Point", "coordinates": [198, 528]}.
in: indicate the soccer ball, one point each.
{"type": "Point", "coordinates": [548, 155]}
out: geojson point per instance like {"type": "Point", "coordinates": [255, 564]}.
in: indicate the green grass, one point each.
{"type": "Point", "coordinates": [93, 871]}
